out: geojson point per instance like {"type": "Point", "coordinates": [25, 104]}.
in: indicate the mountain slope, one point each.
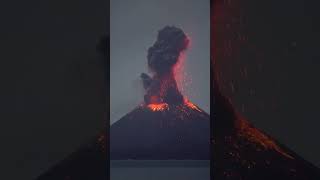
{"type": "Point", "coordinates": [171, 132]}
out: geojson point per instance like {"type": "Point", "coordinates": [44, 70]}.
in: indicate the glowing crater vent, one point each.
{"type": "Point", "coordinates": [158, 107]}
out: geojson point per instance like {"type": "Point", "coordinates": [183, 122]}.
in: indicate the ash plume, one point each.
{"type": "Point", "coordinates": [165, 52]}
{"type": "Point", "coordinates": [162, 57]}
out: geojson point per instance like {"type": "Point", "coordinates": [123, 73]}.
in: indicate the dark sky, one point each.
{"type": "Point", "coordinates": [134, 28]}
{"type": "Point", "coordinates": [270, 65]}
{"type": "Point", "coordinates": [52, 83]}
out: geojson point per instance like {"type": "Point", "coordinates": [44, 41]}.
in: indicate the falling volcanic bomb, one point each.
{"type": "Point", "coordinates": [167, 125]}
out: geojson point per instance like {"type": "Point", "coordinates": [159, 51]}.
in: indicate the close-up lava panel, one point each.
{"type": "Point", "coordinates": [252, 45]}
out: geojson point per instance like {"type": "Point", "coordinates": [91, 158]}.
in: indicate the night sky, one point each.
{"type": "Point", "coordinates": [53, 88]}
{"type": "Point", "coordinates": [268, 64]}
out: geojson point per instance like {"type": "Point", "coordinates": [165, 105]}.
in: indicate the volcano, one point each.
{"type": "Point", "coordinates": [166, 125]}
{"type": "Point", "coordinates": [161, 132]}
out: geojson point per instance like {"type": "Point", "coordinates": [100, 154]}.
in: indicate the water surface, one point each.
{"type": "Point", "coordinates": [159, 170]}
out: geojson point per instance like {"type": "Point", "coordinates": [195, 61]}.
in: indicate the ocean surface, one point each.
{"type": "Point", "coordinates": [159, 170]}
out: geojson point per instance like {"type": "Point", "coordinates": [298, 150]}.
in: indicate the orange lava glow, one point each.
{"type": "Point", "coordinates": [191, 105]}
{"type": "Point", "coordinates": [158, 107]}
{"type": "Point", "coordinates": [256, 136]}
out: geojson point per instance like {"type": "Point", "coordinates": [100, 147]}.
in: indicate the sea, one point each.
{"type": "Point", "coordinates": [159, 170]}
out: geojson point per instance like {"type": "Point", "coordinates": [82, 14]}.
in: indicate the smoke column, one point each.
{"type": "Point", "coordinates": [162, 57]}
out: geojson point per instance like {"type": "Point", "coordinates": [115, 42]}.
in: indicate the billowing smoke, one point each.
{"type": "Point", "coordinates": [165, 52]}
{"type": "Point", "coordinates": [162, 58]}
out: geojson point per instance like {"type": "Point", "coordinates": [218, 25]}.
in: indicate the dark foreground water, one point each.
{"type": "Point", "coordinates": [160, 170]}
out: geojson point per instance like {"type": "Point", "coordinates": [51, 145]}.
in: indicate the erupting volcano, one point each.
{"type": "Point", "coordinates": [167, 125]}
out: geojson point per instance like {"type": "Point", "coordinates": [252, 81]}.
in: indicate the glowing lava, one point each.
{"type": "Point", "coordinates": [191, 105]}
{"type": "Point", "coordinates": [158, 107]}
{"type": "Point", "coordinates": [254, 135]}
{"type": "Point", "coordinates": [164, 106]}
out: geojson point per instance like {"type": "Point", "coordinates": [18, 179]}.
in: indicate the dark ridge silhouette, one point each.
{"type": "Point", "coordinates": [88, 162]}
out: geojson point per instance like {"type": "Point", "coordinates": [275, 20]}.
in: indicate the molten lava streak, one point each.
{"type": "Point", "coordinates": [191, 105]}
{"type": "Point", "coordinates": [254, 135]}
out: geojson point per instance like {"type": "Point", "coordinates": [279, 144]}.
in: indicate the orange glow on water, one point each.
{"type": "Point", "coordinates": [158, 107]}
